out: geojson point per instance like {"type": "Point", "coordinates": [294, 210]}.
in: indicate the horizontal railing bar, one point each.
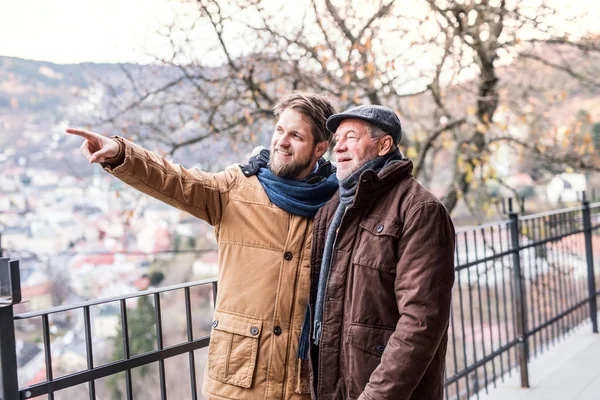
{"type": "Point", "coordinates": [551, 239]}
{"type": "Point", "coordinates": [558, 317]}
{"type": "Point", "coordinates": [550, 213]}
{"type": "Point", "coordinates": [112, 368]}
{"type": "Point", "coordinates": [494, 224]}
{"type": "Point", "coordinates": [464, 372]}
{"type": "Point", "coordinates": [55, 310]}
{"type": "Point", "coordinates": [511, 251]}
{"type": "Point", "coordinates": [483, 260]}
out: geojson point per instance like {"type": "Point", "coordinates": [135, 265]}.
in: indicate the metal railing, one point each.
{"type": "Point", "coordinates": [522, 284]}
{"type": "Point", "coordinates": [10, 296]}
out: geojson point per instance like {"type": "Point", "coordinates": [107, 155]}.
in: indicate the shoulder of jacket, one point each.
{"type": "Point", "coordinates": [240, 179]}
{"type": "Point", "coordinates": [418, 196]}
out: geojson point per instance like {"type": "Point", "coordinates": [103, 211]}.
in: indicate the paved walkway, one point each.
{"type": "Point", "coordinates": [569, 371]}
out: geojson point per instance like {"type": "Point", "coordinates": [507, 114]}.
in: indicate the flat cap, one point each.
{"type": "Point", "coordinates": [383, 117]}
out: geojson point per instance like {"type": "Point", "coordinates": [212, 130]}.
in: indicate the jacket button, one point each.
{"type": "Point", "coordinates": [254, 331]}
{"type": "Point", "coordinates": [277, 331]}
{"type": "Point", "coordinates": [288, 256]}
{"type": "Point", "coordinates": [379, 228]}
{"type": "Point", "coordinates": [215, 323]}
{"type": "Point", "coordinates": [380, 348]}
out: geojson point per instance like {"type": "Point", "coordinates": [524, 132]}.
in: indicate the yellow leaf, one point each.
{"type": "Point", "coordinates": [411, 152]}
{"type": "Point", "coordinates": [248, 117]}
{"type": "Point", "coordinates": [469, 177]}
{"type": "Point", "coordinates": [471, 110]}
{"type": "Point", "coordinates": [563, 95]}
{"type": "Point", "coordinates": [371, 69]}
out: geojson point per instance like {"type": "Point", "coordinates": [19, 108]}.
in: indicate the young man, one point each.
{"type": "Point", "coordinates": [382, 269]}
{"type": "Point", "coordinates": [263, 222]}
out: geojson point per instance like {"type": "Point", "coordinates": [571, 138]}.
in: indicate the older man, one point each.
{"type": "Point", "coordinates": [263, 221]}
{"type": "Point", "coordinates": [382, 268]}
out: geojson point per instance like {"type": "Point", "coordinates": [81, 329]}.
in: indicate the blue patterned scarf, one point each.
{"type": "Point", "coordinates": [297, 197]}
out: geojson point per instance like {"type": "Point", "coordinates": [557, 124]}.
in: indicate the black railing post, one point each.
{"type": "Point", "coordinates": [10, 293]}
{"type": "Point", "coordinates": [519, 298]}
{"type": "Point", "coordinates": [589, 256]}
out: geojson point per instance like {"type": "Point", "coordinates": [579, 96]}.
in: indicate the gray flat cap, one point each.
{"type": "Point", "coordinates": [384, 117]}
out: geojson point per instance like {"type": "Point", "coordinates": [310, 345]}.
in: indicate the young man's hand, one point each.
{"type": "Point", "coordinates": [96, 148]}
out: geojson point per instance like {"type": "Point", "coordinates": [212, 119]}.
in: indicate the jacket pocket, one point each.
{"type": "Point", "coordinates": [378, 244]}
{"type": "Point", "coordinates": [233, 348]}
{"type": "Point", "coordinates": [365, 345]}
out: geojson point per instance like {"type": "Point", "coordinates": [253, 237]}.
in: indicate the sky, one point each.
{"type": "Point", "coordinates": [72, 31]}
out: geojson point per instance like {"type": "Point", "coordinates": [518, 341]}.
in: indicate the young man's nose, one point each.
{"type": "Point", "coordinates": [284, 140]}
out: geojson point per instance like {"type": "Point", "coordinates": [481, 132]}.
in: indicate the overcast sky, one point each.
{"type": "Point", "coordinates": [68, 31]}
{"type": "Point", "coordinates": [71, 31]}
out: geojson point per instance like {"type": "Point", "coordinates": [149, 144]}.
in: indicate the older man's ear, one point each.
{"type": "Point", "coordinates": [386, 144]}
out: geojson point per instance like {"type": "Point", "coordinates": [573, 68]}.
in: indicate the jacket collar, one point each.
{"type": "Point", "coordinates": [371, 185]}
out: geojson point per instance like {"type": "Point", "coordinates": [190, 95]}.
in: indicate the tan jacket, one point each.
{"type": "Point", "coordinates": [264, 265]}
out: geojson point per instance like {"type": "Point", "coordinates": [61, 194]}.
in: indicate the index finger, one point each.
{"type": "Point", "coordinates": [81, 132]}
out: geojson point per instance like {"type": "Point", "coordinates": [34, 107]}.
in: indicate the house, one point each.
{"type": "Point", "coordinates": [566, 187]}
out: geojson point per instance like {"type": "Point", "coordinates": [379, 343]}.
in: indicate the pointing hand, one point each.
{"type": "Point", "coordinates": [96, 148]}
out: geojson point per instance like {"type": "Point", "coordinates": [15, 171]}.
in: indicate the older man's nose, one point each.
{"type": "Point", "coordinates": [339, 146]}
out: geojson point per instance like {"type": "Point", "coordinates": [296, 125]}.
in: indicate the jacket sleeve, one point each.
{"type": "Point", "coordinates": [202, 194]}
{"type": "Point", "coordinates": [423, 286]}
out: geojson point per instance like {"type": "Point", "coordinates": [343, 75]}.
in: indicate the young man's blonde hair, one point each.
{"type": "Point", "coordinates": [314, 107]}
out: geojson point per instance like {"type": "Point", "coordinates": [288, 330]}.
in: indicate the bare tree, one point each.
{"type": "Point", "coordinates": [453, 69]}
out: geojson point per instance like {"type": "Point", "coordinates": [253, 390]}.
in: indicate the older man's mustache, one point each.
{"type": "Point", "coordinates": [344, 156]}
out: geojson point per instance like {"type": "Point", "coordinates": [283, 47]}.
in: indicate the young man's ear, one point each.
{"type": "Point", "coordinates": [386, 144]}
{"type": "Point", "coordinates": [321, 148]}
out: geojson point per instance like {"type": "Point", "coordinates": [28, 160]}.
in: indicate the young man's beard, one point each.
{"type": "Point", "coordinates": [289, 170]}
